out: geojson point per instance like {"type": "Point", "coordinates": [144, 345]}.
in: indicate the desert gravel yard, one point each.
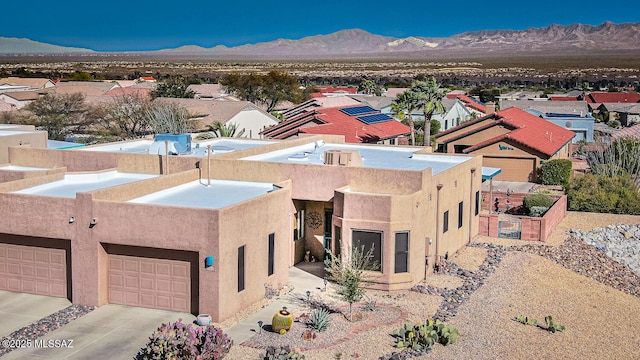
{"type": "Point", "coordinates": [601, 321]}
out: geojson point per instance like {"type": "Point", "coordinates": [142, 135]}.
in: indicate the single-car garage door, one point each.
{"type": "Point", "coordinates": [513, 169]}
{"type": "Point", "coordinates": [33, 270]}
{"type": "Point", "coordinates": [148, 282]}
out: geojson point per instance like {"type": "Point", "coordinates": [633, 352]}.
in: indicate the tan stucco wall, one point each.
{"type": "Point", "coordinates": [34, 139]}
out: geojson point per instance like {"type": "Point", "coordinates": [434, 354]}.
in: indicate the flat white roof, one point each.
{"type": "Point", "coordinates": [74, 183]}
{"type": "Point", "coordinates": [382, 157]}
{"type": "Point", "coordinates": [21, 168]}
{"type": "Point", "coordinates": [198, 149]}
{"type": "Point", "coordinates": [197, 194]}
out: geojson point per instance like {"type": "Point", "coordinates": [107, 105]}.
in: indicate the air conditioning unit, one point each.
{"type": "Point", "coordinates": [179, 144]}
{"type": "Point", "coordinates": [342, 157]}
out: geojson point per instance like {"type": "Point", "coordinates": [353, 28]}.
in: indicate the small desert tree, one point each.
{"type": "Point", "coordinates": [350, 274]}
{"type": "Point", "coordinates": [166, 117]}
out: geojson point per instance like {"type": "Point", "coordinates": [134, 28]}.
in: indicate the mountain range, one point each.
{"type": "Point", "coordinates": [355, 42]}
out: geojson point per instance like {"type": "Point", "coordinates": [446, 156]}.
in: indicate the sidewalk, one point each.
{"type": "Point", "coordinates": [301, 281]}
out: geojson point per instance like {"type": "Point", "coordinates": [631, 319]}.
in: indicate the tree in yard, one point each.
{"type": "Point", "coordinates": [59, 115]}
{"type": "Point", "coordinates": [166, 117]}
{"type": "Point", "coordinates": [429, 98]}
{"type": "Point", "coordinates": [403, 106]}
{"type": "Point", "coordinates": [173, 87]}
{"type": "Point", "coordinates": [370, 87]}
{"type": "Point", "coordinates": [350, 274]}
{"type": "Point", "coordinates": [126, 117]}
{"type": "Point", "coordinates": [220, 130]}
{"type": "Point", "coordinates": [268, 90]}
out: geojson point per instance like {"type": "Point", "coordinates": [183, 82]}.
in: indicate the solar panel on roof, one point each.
{"type": "Point", "coordinates": [375, 118]}
{"type": "Point", "coordinates": [358, 110]}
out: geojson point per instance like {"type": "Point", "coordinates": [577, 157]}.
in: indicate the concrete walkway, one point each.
{"type": "Point", "coordinates": [301, 281]}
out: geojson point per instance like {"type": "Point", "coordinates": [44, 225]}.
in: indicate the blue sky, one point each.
{"type": "Point", "coordinates": [150, 25]}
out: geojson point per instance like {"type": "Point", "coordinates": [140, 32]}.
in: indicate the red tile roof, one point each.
{"type": "Point", "coordinates": [469, 102]}
{"type": "Point", "coordinates": [612, 97]}
{"type": "Point", "coordinates": [334, 122]}
{"type": "Point", "coordinates": [526, 129]}
{"type": "Point", "coordinates": [531, 131]}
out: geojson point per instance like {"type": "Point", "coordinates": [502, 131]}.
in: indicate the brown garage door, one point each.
{"type": "Point", "coordinates": [33, 270]}
{"type": "Point", "coordinates": [153, 283]}
{"type": "Point", "coordinates": [513, 169]}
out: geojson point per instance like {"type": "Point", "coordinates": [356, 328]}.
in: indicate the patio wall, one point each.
{"type": "Point", "coordinates": [532, 228]}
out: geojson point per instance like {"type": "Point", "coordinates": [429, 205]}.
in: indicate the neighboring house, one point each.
{"type": "Point", "coordinates": [627, 114]}
{"type": "Point", "coordinates": [581, 125]}
{"type": "Point", "coordinates": [455, 114]}
{"type": "Point", "coordinates": [453, 94]}
{"type": "Point", "coordinates": [578, 107]}
{"type": "Point", "coordinates": [604, 133]}
{"type": "Point", "coordinates": [612, 97]}
{"type": "Point", "coordinates": [245, 115]}
{"type": "Point", "coordinates": [358, 124]}
{"type": "Point", "coordinates": [31, 83]}
{"type": "Point", "coordinates": [211, 92]}
{"type": "Point", "coordinates": [19, 99]}
{"type": "Point", "coordinates": [86, 88]}
{"type": "Point", "coordinates": [477, 107]}
{"type": "Point", "coordinates": [330, 91]}
{"type": "Point", "coordinates": [511, 139]}
{"type": "Point", "coordinates": [521, 95]}
{"type": "Point", "coordinates": [317, 103]}
{"type": "Point", "coordinates": [13, 88]}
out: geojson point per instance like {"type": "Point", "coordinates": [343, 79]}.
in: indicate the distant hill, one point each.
{"type": "Point", "coordinates": [355, 42]}
{"type": "Point", "coordinates": [25, 46]}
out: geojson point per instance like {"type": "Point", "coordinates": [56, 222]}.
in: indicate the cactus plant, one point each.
{"type": "Point", "coordinates": [319, 320]}
{"type": "Point", "coordinates": [284, 353]}
{"type": "Point", "coordinates": [424, 336]}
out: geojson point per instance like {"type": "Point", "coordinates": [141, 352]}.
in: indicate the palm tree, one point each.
{"type": "Point", "coordinates": [403, 106]}
{"type": "Point", "coordinates": [429, 97]}
{"type": "Point", "coordinates": [225, 130]}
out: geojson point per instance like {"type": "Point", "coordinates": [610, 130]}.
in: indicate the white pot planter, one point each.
{"type": "Point", "coordinates": [204, 319]}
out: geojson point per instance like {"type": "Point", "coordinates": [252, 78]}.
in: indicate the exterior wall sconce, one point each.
{"type": "Point", "coordinates": [260, 323]}
{"type": "Point", "coordinates": [93, 223]}
{"type": "Point", "coordinates": [308, 295]}
{"type": "Point", "coordinates": [325, 284]}
{"type": "Point", "coordinates": [72, 220]}
{"type": "Point", "coordinates": [209, 263]}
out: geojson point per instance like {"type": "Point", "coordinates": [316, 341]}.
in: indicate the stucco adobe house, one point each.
{"type": "Point", "coordinates": [116, 223]}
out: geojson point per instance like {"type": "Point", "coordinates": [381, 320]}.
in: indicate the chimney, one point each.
{"type": "Point", "coordinates": [491, 108]}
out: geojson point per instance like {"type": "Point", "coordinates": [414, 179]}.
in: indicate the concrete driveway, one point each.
{"type": "Point", "coordinates": [109, 332]}
{"type": "Point", "coordinates": [19, 310]}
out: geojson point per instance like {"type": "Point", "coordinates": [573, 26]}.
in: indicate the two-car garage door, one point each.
{"type": "Point", "coordinates": [33, 270]}
{"type": "Point", "coordinates": [150, 282]}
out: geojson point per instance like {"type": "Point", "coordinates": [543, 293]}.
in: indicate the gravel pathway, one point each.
{"type": "Point", "coordinates": [47, 324]}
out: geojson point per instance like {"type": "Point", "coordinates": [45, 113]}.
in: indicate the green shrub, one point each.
{"type": "Point", "coordinates": [556, 172]}
{"type": "Point", "coordinates": [537, 199]}
{"type": "Point", "coordinates": [282, 352]}
{"type": "Point", "coordinates": [187, 341]}
{"type": "Point", "coordinates": [604, 194]}
{"type": "Point", "coordinates": [205, 136]}
{"type": "Point", "coordinates": [537, 211]}
{"type": "Point", "coordinates": [319, 320]}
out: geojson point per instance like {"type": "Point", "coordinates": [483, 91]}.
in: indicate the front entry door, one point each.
{"type": "Point", "coordinates": [328, 215]}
